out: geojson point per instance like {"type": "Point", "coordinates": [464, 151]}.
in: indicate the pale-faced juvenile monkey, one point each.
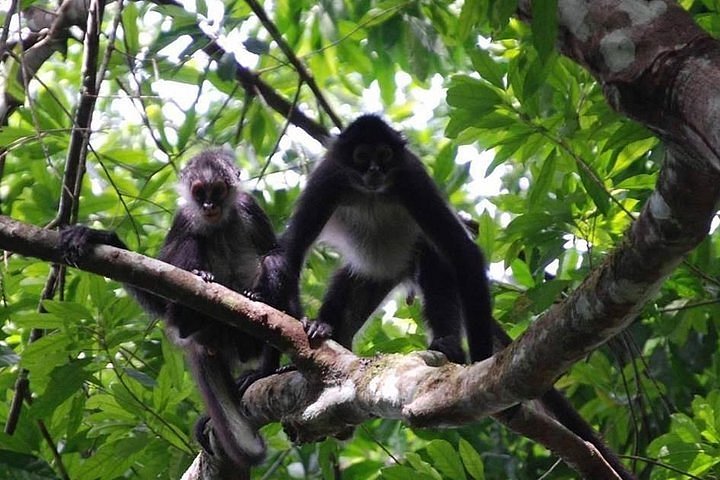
{"type": "Point", "coordinates": [371, 198]}
{"type": "Point", "coordinates": [221, 234]}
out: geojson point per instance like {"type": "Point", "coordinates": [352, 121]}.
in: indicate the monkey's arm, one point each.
{"type": "Point", "coordinates": [262, 233]}
{"type": "Point", "coordinates": [316, 204]}
{"type": "Point", "coordinates": [443, 229]}
{"type": "Point", "coordinates": [281, 268]}
{"type": "Point", "coordinates": [77, 240]}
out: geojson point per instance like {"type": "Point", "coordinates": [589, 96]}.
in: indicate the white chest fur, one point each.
{"type": "Point", "coordinates": [375, 236]}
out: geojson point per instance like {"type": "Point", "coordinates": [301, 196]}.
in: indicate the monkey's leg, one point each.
{"type": "Point", "coordinates": [441, 303]}
{"type": "Point", "coordinates": [269, 365]}
{"type": "Point", "coordinates": [348, 303]}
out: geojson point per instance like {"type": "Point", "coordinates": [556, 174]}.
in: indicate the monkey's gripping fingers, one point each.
{"type": "Point", "coordinates": [254, 295]}
{"type": "Point", "coordinates": [206, 276]}
{"type": "Point", "coordinates": [201, 434]}
{"type": "Point", "coordinates": [246, 379]}
{"type": "Point", "coordinates": [316, 330]}
{"type": "Point", "coordinates": [76, 241]}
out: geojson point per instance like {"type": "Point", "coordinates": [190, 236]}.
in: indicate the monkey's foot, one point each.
{"type": "Point", "coordinates": [246, 379]}
{"type": "Point", "coordinates": [450, 347]}
{"type": "Point", "coordinates": [254, 295]}
{"type": "Point", "coordinates": [202, 434]}
{"type": "Point", "coordinates": [317, 330]}
{"type": "Point", "coordinates": [206, 276]}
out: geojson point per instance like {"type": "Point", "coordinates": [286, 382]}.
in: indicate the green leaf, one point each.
{"type": "Point", "coordinates": [472, 460]}
{"type": "Point", "coordinates": [381, 13]}
{"type": "Point", "coordinates": [544, 27]}
{"type": "Point", "coordinates": [543, 182]}
{"type": "Point", "coordinates": [446, 459]}
{"type": "Point", "coordinates": [385, 73]}
{"type": "Point", "coordinates": [65, 381]}
{"type": "Point", "coordinates": [142, 378]}
{"type": "Point", "coordinates": [38, 320]}
{"type": "Point", "coordinates": [20, 466]}
{"type": "Point", "coordinates": [638, 182]}
{"type": "Point", "coordinates": [68, 311]}
{"type": "Point", "coordinates": [546, 293]}
{"type": "Point", "coordinates": [501, 11]}
{"type": "Point", "coordinates": [130, 28]}
{"type": "Point", "coordinates": [41, 356]}
{"type": "Point", "coordinates": [188, 128]}
{"type": "Point", "coordinates": [9, 135]}
{"type": "Point", "coordinates": [536, 75]}
{"type": "Point", "coordinates": [599, 195]}
{"type": "Point", "coordinates": [487, 67]}
{"type": "Point", "coordinates": [401, 472]}
{"type": "Point", "coordinates": [421, 466]}
{"type": "Point", "coordinates": [469, 93]}
{"type": "Point", "coordinates": [470, 15]}
{"type": "Point", "coordinates": [521, 273]}
{"type": "Point", "coordinates": [487, 233]}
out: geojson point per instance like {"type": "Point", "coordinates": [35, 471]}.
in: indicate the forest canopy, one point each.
{"type": "Point", "coordinates": [559, 130]}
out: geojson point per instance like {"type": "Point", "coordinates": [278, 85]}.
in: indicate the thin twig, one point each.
{"type": "Point", "coordinates": [80, 136]}
{"type": "Point", "coordinates": [282, 134]}
{"type": "Point", "coordinates": [299, 67]}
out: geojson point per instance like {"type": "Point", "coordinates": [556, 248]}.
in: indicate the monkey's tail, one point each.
{"type": "Point", "coordinates": [240, 442]}
{"type": "Point", "coordinates": [560, 407]}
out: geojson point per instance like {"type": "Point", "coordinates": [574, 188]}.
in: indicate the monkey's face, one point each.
{"type": "Point", "coordinates": [210, 198]}
{"type": "Point", "coordinates": [373, 162]}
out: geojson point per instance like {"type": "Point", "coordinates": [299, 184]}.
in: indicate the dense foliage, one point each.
{"type": "Point", "coordinates": [460, 78]}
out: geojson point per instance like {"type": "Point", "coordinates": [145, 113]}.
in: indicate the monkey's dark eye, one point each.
{"type": "Point", "coordinates": [218, 191]}
{"type": "Point", "coordinates": [362, 155]}
{"type": "Point", "coordinates": [197, 190]}
{"type": "Point", "coordinates": [384, 154]}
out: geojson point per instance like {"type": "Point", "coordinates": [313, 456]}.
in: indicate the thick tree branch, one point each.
{"type": "Point", "coordinates": [653, 62]}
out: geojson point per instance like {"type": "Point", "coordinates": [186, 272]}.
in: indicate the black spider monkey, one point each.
{"type": "Point", "coordinates": [221, 234]}
{"type": "Point", "coordinates": [372, 199]}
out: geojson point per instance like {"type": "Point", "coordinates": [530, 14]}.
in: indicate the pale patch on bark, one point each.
{"type": "Point", "coordinates": [574, 15]}
{"type": "Point", "coordinates": [640, 13]}
{"type": "Point", "coordinates": [337, 395]}
{"type": "Point", "coordinates": [618, 50]}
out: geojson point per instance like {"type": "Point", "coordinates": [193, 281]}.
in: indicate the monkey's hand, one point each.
{"type": "Point", "coordinates": [206, 276]}
{"type": "Point", "coordinates": [76, 241]}
{"type": "Point", "coordinates": [316, 330]}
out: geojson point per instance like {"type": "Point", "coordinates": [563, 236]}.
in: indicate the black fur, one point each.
{"type": "Point", "coordinates": [372, 198]}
